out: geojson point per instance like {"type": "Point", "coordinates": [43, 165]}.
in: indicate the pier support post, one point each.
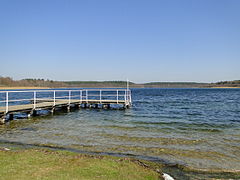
{"type": "Point", "coordinates": [53, 110]}
{"type": "Point", "coordinates": [105, 106]}
{"type": "Point", "coordinates": [126, 106]}
{"type": "Point", "coordinates": [32, 113]}
{"type": "Point", "coordinates": [68, 108]}
{"type": "Point", "coordinates": [76, 106]}
{"type": "Point", "coordinates": [10, 116]}
{"type": "Point", "coordinates": [91, 106]}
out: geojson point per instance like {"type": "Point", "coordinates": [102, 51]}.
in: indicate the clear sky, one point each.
{"type": "Point", "coordinates": [142, 40]}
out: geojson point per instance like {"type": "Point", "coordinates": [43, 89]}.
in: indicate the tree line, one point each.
{"type": "Point", "coordinates": [9, 82]}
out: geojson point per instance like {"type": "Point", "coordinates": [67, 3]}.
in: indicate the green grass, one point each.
{"type": "Point", "coordinates": [46, 164]}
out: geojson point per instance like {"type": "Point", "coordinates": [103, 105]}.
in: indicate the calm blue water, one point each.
{"type": "Point", "coordinates": [198, 129]}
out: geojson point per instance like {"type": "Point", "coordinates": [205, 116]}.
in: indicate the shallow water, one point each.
{"type": "Point", "coordinates": [199, 129]}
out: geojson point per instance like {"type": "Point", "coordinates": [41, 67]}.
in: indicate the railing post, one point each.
{"type": "Point", "coordinates": [130, 97]}
{"type": "Point", "coordinates": [6, 102]}
{"type": "Point", "coordinates": [117, 96]}
{"type": "Point", "coordinates": [34, 99]}
{"type": "Point", "coordinates": [86, 96]}
{"type": "Point", "coordinates": [54, 98]}
{"type": "Point", "coordinates": [100, 96]}
{"type": "Point", "coordinates": [80, 96]}
{"type": "Point", "coordinates": [125, 97]}
{"type": "Point", "coordinates": [69, 97]}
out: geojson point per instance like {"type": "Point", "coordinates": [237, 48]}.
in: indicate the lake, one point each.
{"type": "Point", "coordinates": [193, 132]}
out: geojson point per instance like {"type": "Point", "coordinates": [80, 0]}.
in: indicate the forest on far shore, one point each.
{"type": "Point", "coordinates": [9, 82]}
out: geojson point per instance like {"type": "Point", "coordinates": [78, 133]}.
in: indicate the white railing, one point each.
{"type": "Point", "coordinates": [12, 98]}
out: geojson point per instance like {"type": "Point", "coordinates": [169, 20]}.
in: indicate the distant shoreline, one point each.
{"type": "Point", "coordinates": [9, 83]}
{"type": "Point", "coordinates": [20, 87]}
{"type": "Point", "coordinates": [222, 87]}
{"type": "Point", "coordinates": [30, 87]}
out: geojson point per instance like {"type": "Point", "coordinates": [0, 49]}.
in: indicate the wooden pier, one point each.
{"type": "Point", "coordinates": [32, 102]}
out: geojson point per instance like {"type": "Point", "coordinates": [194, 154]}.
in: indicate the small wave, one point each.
{"type": "Point", "coordinates": [194, 114]}
{"type": "Point", "coordinates": [235, 120]}
{"type": "Point", "coordinates": [152, 116]}
{"type": "Point", "coordinates": [28, 129]}
{"type": "Point", "coordinates": [201, 129]}
{"type": "Point", "coordinates": [156, 123]}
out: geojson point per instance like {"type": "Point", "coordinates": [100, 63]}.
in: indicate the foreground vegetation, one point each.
{"type": "Point", "coordinates": [47, 164]}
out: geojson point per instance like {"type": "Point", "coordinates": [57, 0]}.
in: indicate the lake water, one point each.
{"type": "Point", "coordinates": [194, 132]}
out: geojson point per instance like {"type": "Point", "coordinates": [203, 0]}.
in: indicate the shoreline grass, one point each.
{"type": "Point", "coordinates": [28, 162]}
{"type": "Point", "coordinates": [48, 164]}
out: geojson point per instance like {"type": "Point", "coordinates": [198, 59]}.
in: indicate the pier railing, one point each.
{"type": "Point", "coordinates": [9, 99]}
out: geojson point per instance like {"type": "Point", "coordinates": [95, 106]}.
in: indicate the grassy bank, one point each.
{"type": "Point", "coordinates": [48, 164]}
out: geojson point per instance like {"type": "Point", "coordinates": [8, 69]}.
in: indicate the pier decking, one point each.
{"type": "Point", "coordinates": [32, 101]}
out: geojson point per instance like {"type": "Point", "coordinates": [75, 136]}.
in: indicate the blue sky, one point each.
{"type": "Point", "coordinates": [142, 40]}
